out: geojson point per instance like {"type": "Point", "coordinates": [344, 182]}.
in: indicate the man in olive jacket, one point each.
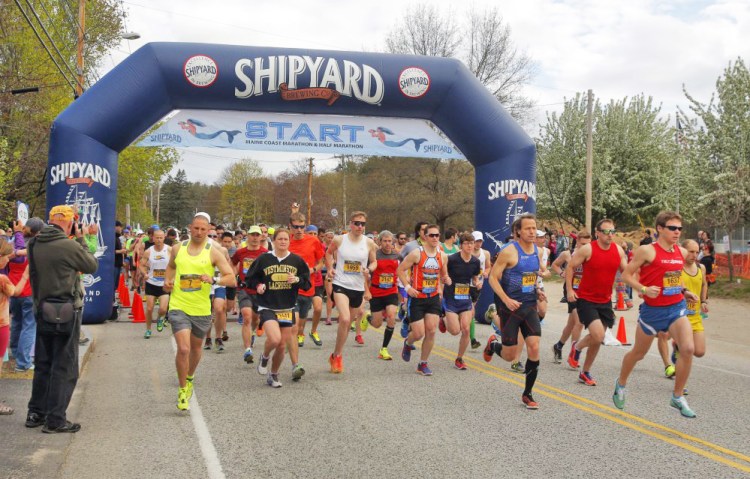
{"type": "Point", "coordinates": [55, 264]}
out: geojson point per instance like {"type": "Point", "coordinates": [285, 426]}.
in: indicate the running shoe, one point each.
{"type": "Point", "coordinates": [359, 340]}
{"type": "Point", "coordinates": [460, 364]}
{"type": "Point", "coordinates": [160, 324]}
{"type": "Point", "coordinates": [684, 391]}
{"type": "Point", "coordinates": [316, 338]}
{"type": "Point", "coordinates": [384, 354]}
{"type": "Point", "coordinates": [681, 404]}
{"type": "Point", "coordinates": [336, 363]}
{"type": "Point", "coordinates": [263, 366]}
{"type": "Point", "coordinates": [218, 345]}
{"type": "Point", "coordinates": [619, 396]}
{"type": "Point", "coordinates": [352, 327]}
{"type": "Point", "coordinates": [259, 331]}
{"type": "Point", "coordinates": [298, 372]}
{"type": "Point", "coordinates": [489, 350]}
{"type": "Point", "coordinates": [207, 344]}
{"type": "Point", "coordinates": [239, 319]}
{"type": "Point", "coordinates": [147, 334]}
{"type": "Point", "coordinates": [490, 313]}
{"type": "Point", "coordinates": [404, 329]}
{"type": "Point", "coordinates": [528, 400]}
{"type": "Point", "coordinates": [189, 388]}
{"type": "Point", "coordinates": [573, 357]}
{"type": "Point", "coordinates": [402, 312]}
{"type": "Point", "coordinates": [557, 354]}
{"type": "Point", "coordinates": [328, 322]}
{"type": "Point", "coordinates": [474, 343]}
{"type": "Point", "coordinates": [424, 370]}
{"type": "Point", "coordinates": [247, 356]}
{"type": "Point", "coordinates": [406, 352]}
{"type": "Point", "coordinates": [182, 400]}
{"type": "Point", "coordinates": [273, 380]}
{"type": "Point", "coordinates": [517, 366]}
{"type": "Point", "coordinates": [364, 323]}
{"type": "Point", "coordinates": [586, 378]}
{"type": "Point", "coordinates": [441, 325]}
{"type": "Point", "coordinates": [300, 340]}
{"type": "Point", "coordinates": [669, 371]}
{"type": "Point", "coordinates": [224, 336]}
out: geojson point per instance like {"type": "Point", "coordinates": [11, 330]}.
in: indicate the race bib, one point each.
{"type": "Point", "coordinates": [576, 282]}
{"type": "Point", "coordinates": [672, 283]}
{"type": "Point", "coordinates": [190, 283]}
{"type": "Point", "coordinates": [160, 273]}
{"type": "Point", "coordinates": [528, 283]}
{"type": "Point", "coordinates": [385, 280]}
{"type": "Point", "coordinates": [352, 267]}
{"type": "Point", "coordinates": [692, 308]}
{"type": "Point", "coordinates": [461, 291]}
{"type": "Point", "coordinates": [429, 283]}
{"type": "Point", "coordinates": [286, 315]}
{"type": "Point", "coordinates": [246, 263]}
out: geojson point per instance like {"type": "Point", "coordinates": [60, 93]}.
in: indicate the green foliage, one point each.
{"type": "Point", "coordinates": [244, 194]}
{"type": "Point", "coordinates": [140, 169]}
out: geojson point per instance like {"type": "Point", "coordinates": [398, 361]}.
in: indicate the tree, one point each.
{"type": "Point", "coordinates": [243, 198]}
{"type": "Point", "coordinates": [721, 150]}
{"type": "Point", "coordinates": [139, 170]}
{"type": "Point", "coordinates": [176, 205]}
{"type": "Point", "coordinates": [483, 43]}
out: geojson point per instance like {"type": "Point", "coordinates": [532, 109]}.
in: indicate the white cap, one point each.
{"type": "Point", "coordinates": [540, 233]}
{"type": "Point", "coordinates": [478, 236]}
{"type": "Point", "coordinates": [204, 215]}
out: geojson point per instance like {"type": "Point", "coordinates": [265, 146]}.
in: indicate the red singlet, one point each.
{"type": "Point", "coordinates": [665, 271]}
{"type": "Point", "coordinates": [599, 274]}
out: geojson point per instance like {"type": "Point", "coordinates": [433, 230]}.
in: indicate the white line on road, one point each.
{"type": "Point", "coordinates": [210, 456]}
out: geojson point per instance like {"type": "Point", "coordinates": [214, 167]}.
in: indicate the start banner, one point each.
{"type": "Point", "coordinates": [369, 136]}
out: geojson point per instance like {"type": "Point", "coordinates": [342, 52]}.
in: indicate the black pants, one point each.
{"type": "Point", "coordinates": [55, 369]}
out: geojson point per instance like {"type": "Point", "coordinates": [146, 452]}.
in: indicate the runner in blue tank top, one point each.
{"type": "Point", "coordinates": [513, 278]}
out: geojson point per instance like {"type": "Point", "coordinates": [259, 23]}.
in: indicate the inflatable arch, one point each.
{"type": "Point", "coordinates": [87, 137]}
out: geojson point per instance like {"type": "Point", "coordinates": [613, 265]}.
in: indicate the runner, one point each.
{"type": "Point", "coordinates": [573, 327]}
{"type": "Point", "coordinates": [513, 279]}
{"type": "Point", "coordinates": [541, 239]}
{"type": "Point", "coordinates": [464, 271]}
{"type": "Point", "coordinates": [320, 292]}
{"type": "Point", "coordinates": [429, 271]}
{"type": "Point", "coordinates": [192, 263]}
{"type": "Point", "coordinates": [484, 270]}
{"type": "Point", "coordinates": [400, 242]}
{"type": "Point", "coordinates": [246, 296]}
{"type": "Point", "coordinates": [355, 260]}
{"type": "Point", "coordinates": [601, 259]}
{"type": "Point", "coordinates": [227, 242]}
{"type": "Point", "coordinates": [277, 276]}
{"type": "Point", "coordinates": [656, 271]}
{"type": "Point", "coordinates": [154, 267]}
{"type": "Point", "coordinates": [218, 301]}
{"type": "Point", "coordinates": [383, 293]}
{"type": "Point", "coordinates": [449, 241]}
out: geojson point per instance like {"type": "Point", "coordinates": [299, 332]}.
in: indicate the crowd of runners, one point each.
{"type": "Point", "coordinates": [273, 278]}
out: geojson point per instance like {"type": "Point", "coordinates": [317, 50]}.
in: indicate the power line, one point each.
{"type": "Point", "coordinates": [52, 23]}
{"type": "Point", "coordinates": [71, 17]}
{"type": "Point", "coordinates": [62, 58]}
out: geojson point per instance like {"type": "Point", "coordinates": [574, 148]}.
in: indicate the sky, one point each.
{"type": "Point", "coordinates": [616, 48]}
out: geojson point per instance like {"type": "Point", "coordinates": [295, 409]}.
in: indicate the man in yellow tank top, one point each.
{"type": "Point", "coordinates": [189, 277]}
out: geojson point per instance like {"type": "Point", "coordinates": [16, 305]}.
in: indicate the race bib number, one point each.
{"type": "Point", "coordinates": [672, 284]}
{"type": "Point", "coordinates": [576, 282]}
{"type": "Point", "coordinates": [692, 308]}
{"type": "Point", "coordinates": [160, 273]}
{"type": "Point", "coordinates": [385, 280]}
{"type": "Point", "coordinates": [461, 291]}
{"type": "Point", "coordinates": [429, 283]}
{"type": "Point", "coordinates": [246, 263]}
{"type": "Point", "coordinates": [286, 315]}
{"type": "Point", "coordinates": [352, 267]}
{"type": "Point", "coordinates": [528, 283]}
{"type": "Point", "coordinates": [190, 283]}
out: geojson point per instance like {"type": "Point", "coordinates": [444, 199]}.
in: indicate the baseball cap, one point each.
{"type": "Point", "coordinates": [65, 210]}
{"type": "Point", "coordinates": [478, 236]}
{"type": "Point", "coordinates": [155, 227]}
{"type": "Point", "coordinates": [271, 231]}
{"type": "Point", "coordinates": [254, 229]}
{"type": "Point", "coordinates": [540, 233]}
{"type": "Point", "coordinates": [311, 228]}
{"type": "Point", "coordinates": [35, 225]}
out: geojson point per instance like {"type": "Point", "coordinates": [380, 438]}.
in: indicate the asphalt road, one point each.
{"type": "Point", "coordinates": [380, 419]}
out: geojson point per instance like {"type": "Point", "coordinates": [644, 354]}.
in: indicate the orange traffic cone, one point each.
{"type": "Point", "coordinates": [139, 315]}
{"type": "Point", "coordinates": [622, 336]}
{"type": "Point", "coordinates": [123, 294]}
{"type": "Point", "coordinates": [620, 302]}
{"type": "Point", "coordinates": [122, 281]}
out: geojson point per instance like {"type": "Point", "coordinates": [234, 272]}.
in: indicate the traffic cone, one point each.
{"type": "Point", "coordinates": [139, 315]}
{"type": "Point", "coordinates": [620, 302]}
{"type": "Point", "coordinates": [122, 282]}
{"type": "Point", "coordinates": [621, 334]}
{"type": "Point", "coordinates": [123, 294]}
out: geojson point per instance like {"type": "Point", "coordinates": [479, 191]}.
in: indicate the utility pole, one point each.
{"type": "Point", "coordinates": [309, 192]}
{"type": "Point", "coordinates": [343, 173]}
{"type": "Point", "coordinates": [589, 157]}
{"type": "Point", "coordinates": [127, 214]}
{"type": "Point", "coordinates": [158, 198]}
{"type": "Point", "coordinates": [679, 154]}
{"type": "Point", "coordinates": [79, 51]}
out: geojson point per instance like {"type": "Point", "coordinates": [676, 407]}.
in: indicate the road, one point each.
{"type": "Point", "coordinates": [380, 419]}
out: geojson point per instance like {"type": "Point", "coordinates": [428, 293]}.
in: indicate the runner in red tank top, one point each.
{"type": "Point", "coordinates": [664, 308]}
{"type": "Point", "coordinates": [601, 260]}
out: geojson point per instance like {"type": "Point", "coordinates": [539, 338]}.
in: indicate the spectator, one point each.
{"type": "Point", "coordinates": [708, 260]}
{"type": "Point", "coordinates": [7, 289]}
{"type": "Point", "coordinates": [55, 265]}
{"type": "Point", "coordinates": [648, 239]}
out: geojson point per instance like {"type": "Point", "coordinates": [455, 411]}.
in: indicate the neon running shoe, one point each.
{"type": "Point", "coordinates": [619, 396]}
{"type": "Point", "coordinates": [247, 356]}
{"type": "Point", "coordinates": [424, 370]}
{"type": "Point", "coordinates": [207, 344]}
{"type": "Point", "coordinates": [475, 344]}
{"type": "Point", "coordinates": [669, 371]}
{"type": "Point", "coordinates": [490, 313]}
{"type": "Point", "coordinates": [352, 327]}
{"type": "Point", "coordinates": [273, 380]}
{"type": "Point", "coordinates": [384, 354]}
{"type": "Point", "coordinates": [404, 329]}
{"type": "Point", "coordinates": [557, 354]}
{"type": "Point", "coordinates": [147, 334]}
{"type": "Point", "coordinates": [441, 325]}
{"type": "Point", "coordinates": [336, 363]}
{"type": "Point", "coordinates": [586, 378]}
{"type": "Point", "coordinates": [218, 345]}
{"type": "Point", "coordinates": [489, 350]}
{"type": "Point", "coordinates": [359, 340]}
{"type": "Point", "coordinates": [517, 366]}
{"type": "Point", "coordinates": [160, 324]}
{"type": "Point", "coordinates": [460, 364]}
{"type": "Point", "coordinates": [364, 323]}
{"type": "Point", "coordinates": [297, 373]}
{"type": "Point", "coordinates": [681, 404]}
{"type": "Point", "coordinates": [300, 340]}
{"type": "Point", "coordinates": [406, 352]}
{"type": "Point", "coordinates": [316, 338]}
{"type": "Point", "coordinates": [263, 365]}
{"type": "Point", "coordinates": [340, 363]}
{"type": "Point", "coordinates": [528, 400]}
{"type": "Point", "coordinates": [189, 388]}
{"type": "Point", "coordinates": [684, 391]}
{"type": "Point", "coordinates": [259, 331]}
{"type": "Point", "coordinates": [573, 357]}
{"type": "Point", "coordinates": [182, 400]}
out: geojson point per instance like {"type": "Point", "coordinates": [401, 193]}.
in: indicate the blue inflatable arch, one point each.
{"type": "Point", "coordinates": [87, 137]}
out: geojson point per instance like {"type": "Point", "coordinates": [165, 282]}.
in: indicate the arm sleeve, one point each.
{"type": "Point", "coordinates": [18, 243]}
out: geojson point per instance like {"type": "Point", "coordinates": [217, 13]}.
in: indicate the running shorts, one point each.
{"type": "Point", "coordinates": [355, 297]}
{"type": "Point", "coordinates": [419, 307]}
{"type": "Point", "coordinates": [284, 317]}
{"type": "Point", "coordinates": [198, 325]}
{"type": "Point", "coordinates": [380, 303]}
{"type": "Point", "coordinates": [655, 319]}
{"type": "Point", "coordinates": [589, 312]}
{"type": "Point", "coordinates": [154, 290]}
{"type": "Point", "coordinates": [525, 319]}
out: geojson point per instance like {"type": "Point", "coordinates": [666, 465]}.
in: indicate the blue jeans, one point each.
{"type": "Point", "coordinates": [22, 330]}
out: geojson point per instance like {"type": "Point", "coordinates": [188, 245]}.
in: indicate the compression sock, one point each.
{"type": "Point", "coordinates": [532, 367]}
{"type": "Point", "coordinates": [471, 330]}
{"type": "Point", "coordinates": [497, 347]}
{"type": "Point", "coordinates": [387, 336]}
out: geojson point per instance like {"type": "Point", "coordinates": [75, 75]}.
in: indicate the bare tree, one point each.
{"type": "Point", "coordinates": [424, 31]}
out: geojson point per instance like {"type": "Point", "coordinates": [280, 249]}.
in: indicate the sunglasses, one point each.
{"type": "Point", "coordinates": [402, 239]}
{"type": "Point", "coordinates": [212, 236]}
{"type": "Point", "coordinates": [298, 227]}
{"type": "Point", "coordinates": [674, 228]}
{"type": "Point", "coordinates": [360, 224]}
{"type": "Point", "coordinates": [433, 235]}
{"type": "Point", "coordinates": [609, 231]}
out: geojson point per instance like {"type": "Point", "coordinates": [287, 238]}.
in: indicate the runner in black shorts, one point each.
{"type": "Point", "coordinates": [383, 292]}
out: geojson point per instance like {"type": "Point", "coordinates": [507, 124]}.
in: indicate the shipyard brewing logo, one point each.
{"type": "Point", "coordinates": [512, 190]}
{"type": "Point", "coordinates": [79, 173]}
{"type": "Point", "coordinates": [329, 79]}
{"type": "Point", "coordinates": [200, 71]}
{"type": "Point", "coordinates": [414, 82]}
